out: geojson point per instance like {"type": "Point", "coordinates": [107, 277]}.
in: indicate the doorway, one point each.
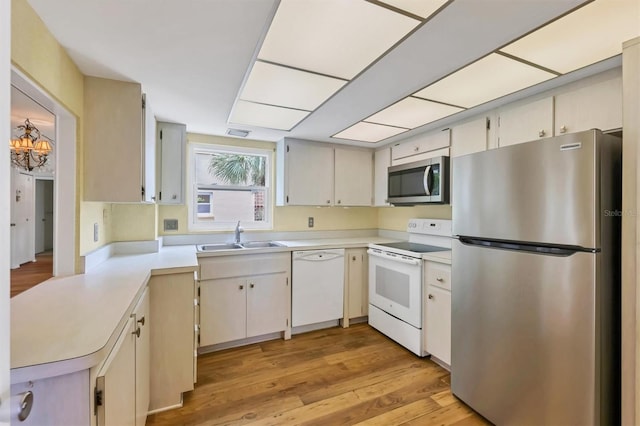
{"type": "Point", "coordinates": [54, 185]}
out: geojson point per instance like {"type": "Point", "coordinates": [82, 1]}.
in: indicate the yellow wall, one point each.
{"type": "Point", "coordinates": [134, 222]}
{"type": "Point", "coordinates": [396, 218]}
{"type": "Point", "coordinates": [288, 218]}
{"type": "Point", "coordinates": [37, 54]}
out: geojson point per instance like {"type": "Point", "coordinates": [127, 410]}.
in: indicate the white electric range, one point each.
{"type": "Point", "coordinates": [396, 287]}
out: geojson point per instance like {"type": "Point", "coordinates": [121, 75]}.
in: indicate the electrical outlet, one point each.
{"type": "Point", "coordinates": [310, 222]}
{"type": "Point", "coordinates": [171, 224]}
{"type": "Point", "coordinates": [95, 232]}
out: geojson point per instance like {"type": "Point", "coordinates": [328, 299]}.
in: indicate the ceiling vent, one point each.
{"type": "Point", "coordinates": [237, 132]}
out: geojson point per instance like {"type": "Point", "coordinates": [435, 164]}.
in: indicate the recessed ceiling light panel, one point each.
{"type": "Point", "coordinates": [238, 132]}
{"type": "Point", "coordinates": [271, 117]}
{"type": "Point", "coordinates": [283, 86]}
{"type": "Point", "coordinates": [422, 8]}
{"type": "Point", "coordinates": [332, 37]}
{"type": "Point", "coordinates": [489, 78]}
{"type": "Point", "coordinates": [412, 112]}
{"type": "Point", "coordinates": [368, 132]}
{"type": "Point", "coordinates": [588, 35]}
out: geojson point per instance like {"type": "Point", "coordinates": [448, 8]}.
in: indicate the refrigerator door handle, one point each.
{"type": "Point", "coordinates": [552, 250]}
{"type": "Point", "coordinates": [426, 180]}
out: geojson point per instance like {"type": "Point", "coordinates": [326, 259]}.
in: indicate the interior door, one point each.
{"type": "Point", "coordinates": [43, 215]}
{"type": "Point", "coordinates": [22, 219]}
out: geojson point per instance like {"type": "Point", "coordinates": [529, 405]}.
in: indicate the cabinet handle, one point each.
{"type": "Point", "coordinates": [241, 287]}
{"type": "Point", "coordinates": [431, 296]}
{"type": "Point", "coordinates": [416, 148]}
{"type": "Point", "coordinates": [137, 332]}
{"type": "Point", "coordinates": [440, 279]}
{"type": "Point", "coordinates": [26, 403]}
{"type": "Point", "coordinates": [339, 201]}
{"type": "Point", "coordinates": [174, 197]}
{"type": "Point", "coordinates": [563, 129]}
{"type": "Point", "coordinates": [328, 201]}
{"type": "Point", "coordinates": [541, 133]}
{"type": "Point", "coordinates": [141, 321]}
{"type": "Point", "coordinates": [353, 258]}
{"type": "Point", "coordinates": [251, 285]}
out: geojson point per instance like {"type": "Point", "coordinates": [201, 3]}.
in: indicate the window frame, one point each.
{"type": "Point", "coordinates": [194, 224]}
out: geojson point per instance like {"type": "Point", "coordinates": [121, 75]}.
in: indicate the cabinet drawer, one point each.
{"type": "Point", "coordinates": [438, 275]}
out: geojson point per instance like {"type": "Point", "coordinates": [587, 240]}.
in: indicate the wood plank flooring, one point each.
{"type": "Point", "coordinates": [32, 273]}
{"type": "Point", "coordinates": [353, 376]}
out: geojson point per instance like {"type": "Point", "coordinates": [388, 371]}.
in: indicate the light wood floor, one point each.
{"type": "Point", "coordinates": [328, 377]}
{"type": "Point", "coordinates": [31, 273]}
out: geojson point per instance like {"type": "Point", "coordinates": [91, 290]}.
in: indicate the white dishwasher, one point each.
{"type": "Point", "coordinates": [317, 289]}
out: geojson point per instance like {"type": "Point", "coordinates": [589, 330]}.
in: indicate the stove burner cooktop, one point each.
{"type": "Point", "coordinates": [414, 247]}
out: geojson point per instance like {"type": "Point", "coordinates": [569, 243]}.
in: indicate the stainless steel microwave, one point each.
{"type": "Point", "coordinates": [420, 182]}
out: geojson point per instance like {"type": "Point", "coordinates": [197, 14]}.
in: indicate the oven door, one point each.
{"type": "Point", "coordinates": [395, 285]}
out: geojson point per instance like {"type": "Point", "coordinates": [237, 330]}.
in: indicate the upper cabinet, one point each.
{"type": "Point", "coordinates": [115, 141]}
{"type": "Point", "coordinates": [381, 163]}
{"type": "Point", "coordinates": [469, 137]}
{"type": "Point", "coordinates": [421, 147]}
{"type": "Point", "coordinates": [598, 106]}
{"type": "Point", "coordinates": [171, 146]}
{"type": "Point", "coordinates": [353, 171]}
{"type": "Point", "coordinates": [525, 122]}
{"type": "Point", "coordinates": [320, 174]}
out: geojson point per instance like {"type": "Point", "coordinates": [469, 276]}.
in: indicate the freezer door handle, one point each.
{"type": "Point", "coordinates": [543, 249]}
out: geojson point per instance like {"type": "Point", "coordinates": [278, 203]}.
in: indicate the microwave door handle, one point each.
{"type": "Point", "coordinates": [425, 180]}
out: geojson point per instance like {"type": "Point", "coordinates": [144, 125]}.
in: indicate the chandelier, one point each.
{"type": "Point", "coordinates": [30, 149]}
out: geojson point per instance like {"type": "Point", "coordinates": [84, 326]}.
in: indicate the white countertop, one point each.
{"type": "Point", "coordinates": [66, 324]}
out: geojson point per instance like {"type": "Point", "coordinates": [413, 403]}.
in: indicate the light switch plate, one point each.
{"type": "Point", "coordinates": [171, 224]}
{"type": "Point", "coordinates": [95, 232]}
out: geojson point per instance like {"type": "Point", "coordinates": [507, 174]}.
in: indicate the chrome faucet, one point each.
{"type": "Point", "coordinates": [238, 231]}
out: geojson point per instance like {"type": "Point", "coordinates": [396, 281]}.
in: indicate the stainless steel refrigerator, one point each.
{"type": "Point", "coordinates": [536, 281]}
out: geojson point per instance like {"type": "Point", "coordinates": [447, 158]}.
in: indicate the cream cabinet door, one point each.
{"type": "Point", "coordinates": [439, 323]}
{"type": "Point", "coordinates": [525, 122]}
{"type": "Point", "coordinates": [267, 304]}
{"type": "Point", "coordinates": [469, 137]}
{"type": "Point", "coordinates": [223, 314]}
{"type": "Point", "coordinates": [381, 163]}
{"type": "Point", "coordinates": [309, 179]}
{"type": "Point", "coordinates": [597, 106]}
{"type": "Point", "coordinates": [116, 381]}
{"type": "Point", "coordinates": [113, 143]}
{"type": "Point", "coordinates": [171, 139]}
{"type": "Point", "coordinates": [353, 177]}
{"type": "Point", "coordinates": [143, 354]}
{"type": "Point", "coordinates": [357, 283]}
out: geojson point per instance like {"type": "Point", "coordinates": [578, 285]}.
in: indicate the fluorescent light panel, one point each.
{"type": "Point", "coordinates": [282, 86]}
{"type": "Point", "coordinates": [422, 8]}
{"type": "Point", "coordinates": [489, 78]}
{"type": "Point", "coordinates": [412, 112]}
{"type": "Point", "coordinates": [588, 35]}
{"type": "Point", "coordinates": [268, 116]}
{"type": "Point", "coordinates": [368, 132]}
{"type": "Point", "coordinates": [333, 37]}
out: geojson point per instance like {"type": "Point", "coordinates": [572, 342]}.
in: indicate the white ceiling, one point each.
{"type": "Point", "coordinates": [192, 56]}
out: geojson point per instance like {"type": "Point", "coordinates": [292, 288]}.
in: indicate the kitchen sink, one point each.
{"type": "Point", "coordinates": [261, 244]}
{"type": "Point", "coordinates": [235, 246]}
{"type": "Point", "coordinates": [216, 247]}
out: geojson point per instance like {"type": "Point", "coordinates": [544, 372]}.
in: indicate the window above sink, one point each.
{"type": "Point", "coordinates": [227, 184]}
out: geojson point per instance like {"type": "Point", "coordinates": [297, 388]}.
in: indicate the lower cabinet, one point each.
{"type": "Point", "coordinates": [122, 384]}
{"type": "Point", "coordinates": [173, 338]}
{"type": "Point", "coordinates": [242, 307]}
{"type": "Point", "coordinates": [438, 311]}
{"type": "Point", "coordinates": [356, 289]}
